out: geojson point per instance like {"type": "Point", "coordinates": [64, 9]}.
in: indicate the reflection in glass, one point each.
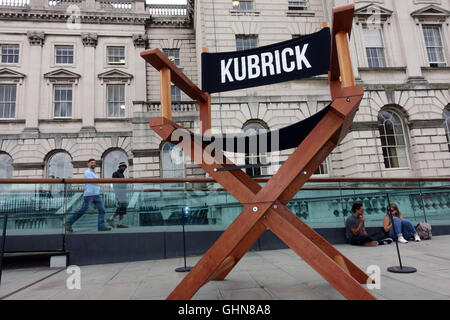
{"type": "Point", "coordinates": [172, 159]}
{"type": "Point", "coordinates": [59, 166]}
{"type": "Point", "coordinates": [251, 129]}
{"type": "Point", "coordinates": [6, 166]}
{"type": "Point", "coordinates": [111, 163]}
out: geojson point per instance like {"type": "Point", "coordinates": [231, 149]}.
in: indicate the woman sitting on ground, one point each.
{"type": "Point", "coordinates": [404, 228]}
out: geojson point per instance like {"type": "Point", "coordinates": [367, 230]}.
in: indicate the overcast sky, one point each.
{"type": "Point", "coordinates": [167, 1]}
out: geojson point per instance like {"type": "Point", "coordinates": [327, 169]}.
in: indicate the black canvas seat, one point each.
{"type": "Point", "coordinates": [268, 141]}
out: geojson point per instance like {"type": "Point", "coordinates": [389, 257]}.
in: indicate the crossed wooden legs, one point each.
{"type": "Point", "coordinates": [265, 208]}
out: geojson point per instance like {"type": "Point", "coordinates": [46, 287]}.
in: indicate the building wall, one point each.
{"type": "Point", "coordinates": [407, 85]}
{"type": "Point", "coordinates": [34, 133]}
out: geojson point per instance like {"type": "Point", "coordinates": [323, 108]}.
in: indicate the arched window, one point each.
{"type": "Point", "coordinates": [6, 166]}
{"type": "Point", "coordinates": [254, 128]}
{"type": "Point", "coordinates": [111, 163]}
{"type": "Point", "coordinates": [393, 140]}
{"type": "Point", "coordinates": [172, 161]}
{"type": "Point", "coordinates": [446, 115]}
{"type": "Point", "coordinates": [59, 165]}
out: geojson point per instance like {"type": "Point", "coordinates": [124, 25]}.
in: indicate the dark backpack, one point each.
{"type": "Point", "coordinates": [424, 230]}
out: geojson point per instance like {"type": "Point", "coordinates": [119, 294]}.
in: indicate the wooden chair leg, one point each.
{"type": "Point", "coordinates": [213, 259]}
{"type": "Point", "coordinates": [243, 248]}
{"type": "Point", "coordinates": [245, 230]}
{"type": "Point", "coordinates": [316, 258]}
{"type": "Point", "coordinates": [321, 243]}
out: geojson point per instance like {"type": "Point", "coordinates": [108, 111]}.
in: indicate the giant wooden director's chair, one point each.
{"type": "Point", "coordinates": [265, 207]}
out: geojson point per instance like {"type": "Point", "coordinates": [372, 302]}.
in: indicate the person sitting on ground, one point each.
{"type": "Point", "coordinates": [356, 232]}
{"type": "Point", "coordinates": [404, 228]}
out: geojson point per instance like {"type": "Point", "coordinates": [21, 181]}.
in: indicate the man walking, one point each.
{"type": "Point", "coordinates": [120, 189]}
{"type": "Point", "coordinates": [91, 194]}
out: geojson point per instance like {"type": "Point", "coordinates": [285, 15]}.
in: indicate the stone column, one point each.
{"type": "Point", "coordinates": [32, 100]}
{"type": "Point", "coordinates": [88, 86]}
{"type": "Point", "coordinates": [140, 43]}
{"type": "Point", "coordinates": [407, 40]}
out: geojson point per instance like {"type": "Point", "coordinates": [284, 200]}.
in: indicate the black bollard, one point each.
{"type": "Point", "coordinates": [400, 268]}
{"type": "Point", "coordinates": [2, 251]}
{"type": "Point", "coordinates": [185, 213]}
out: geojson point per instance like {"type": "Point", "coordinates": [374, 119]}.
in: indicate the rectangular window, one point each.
{"type": "Point", "coordinates": [176, 98]}
{"type": "Point", "coordinates": [244, 42]}
{"type": "Point", "coordinates": [322, 169]}
{"type": "Point", "coordinates": [64, 54]}
{"type": "Point", "coordinates": [298, 4]}
{"type": "Point", "coordinates": [176, 94]}
{"type": "Point", "coordinates": [242, 5]}
{"type": "Point", "coordinates": [116, 55]}
{"type": "Point", "coordinates": [433, 44]}
{"type": "Point", "coordinates": [173, 55]}
{"type": "Point", "coordinates": [62, 101]}
{"type": "Point", "coordinates": [9, 53]}
{"type": "Point", "coordinates": [373, 41]}
{"type": "Point", "coordinates": [7, 101]}
{"type": "Point", "coordinates": [116, 100]}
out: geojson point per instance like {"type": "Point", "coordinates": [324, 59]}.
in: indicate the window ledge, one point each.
{"type": "Point", "coordinates": [11, 121]}
{"type": "Point", "coordinates": [245, 12]}
{"type": "Point", "coordinates": [382, 69]}
{"type": "Point", "coordinates": [112, 119]}
{"type": "Point", "coordinates": [447, 68]}
{"type": "Point", "coordinates": [397, 169]}
{"type": "Point", "coordinates": [59, 120]}
{"type": "Point", "coordinates": [300, 13]}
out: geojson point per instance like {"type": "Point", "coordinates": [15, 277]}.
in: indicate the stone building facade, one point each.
{"type": "Point", "coordinates": [399, 49]}
{"type": "Point", "coordinates": [73, 66]}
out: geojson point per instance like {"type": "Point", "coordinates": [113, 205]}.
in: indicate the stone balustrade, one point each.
{"type": "Point", "coordinates": [15, 3]}
{"type": "Point", "coordinates": [128, 6]}
{"type": "Point", "coordinates": [158, 10]}
{"type": "Point", "coordinates": [182, 106]}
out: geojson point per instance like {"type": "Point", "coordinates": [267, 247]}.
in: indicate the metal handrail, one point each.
{"type": "Point", "coordinates": [205, 180]}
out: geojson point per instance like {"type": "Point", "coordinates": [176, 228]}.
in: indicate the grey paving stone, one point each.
{"type": "Point", "coordinates": [260, 275]}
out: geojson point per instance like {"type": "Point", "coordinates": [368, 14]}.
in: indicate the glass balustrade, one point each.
{"type": "Point", "coordinates": [160, 206]}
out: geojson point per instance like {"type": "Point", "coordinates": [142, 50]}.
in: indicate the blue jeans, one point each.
{"type": "Point", "coordinates": [87, 201]}
{"type": "Point", "coordinates": [404, 227]}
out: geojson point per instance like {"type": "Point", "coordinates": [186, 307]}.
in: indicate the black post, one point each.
{"type": "Point", "coordinates": [2, 251]}
{"type": "Point", "coordinates": [400, 268]}
{"type": "Point", "coordinates": [184, 213]}
{"type": "Point", "coordinates": [64, 215]}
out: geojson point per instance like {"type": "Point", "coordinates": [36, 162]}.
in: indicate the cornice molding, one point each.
{"type": "Point", "coordinates": [372, 13]}
{"type": "Point", "coordinates": [63, 17]}
{"type": "Point", "coordinates": [62, 74]}
{"type": "Point", "coordinates": [431, 13]}
{"type": "Point", "coordinates": [6, 73]}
